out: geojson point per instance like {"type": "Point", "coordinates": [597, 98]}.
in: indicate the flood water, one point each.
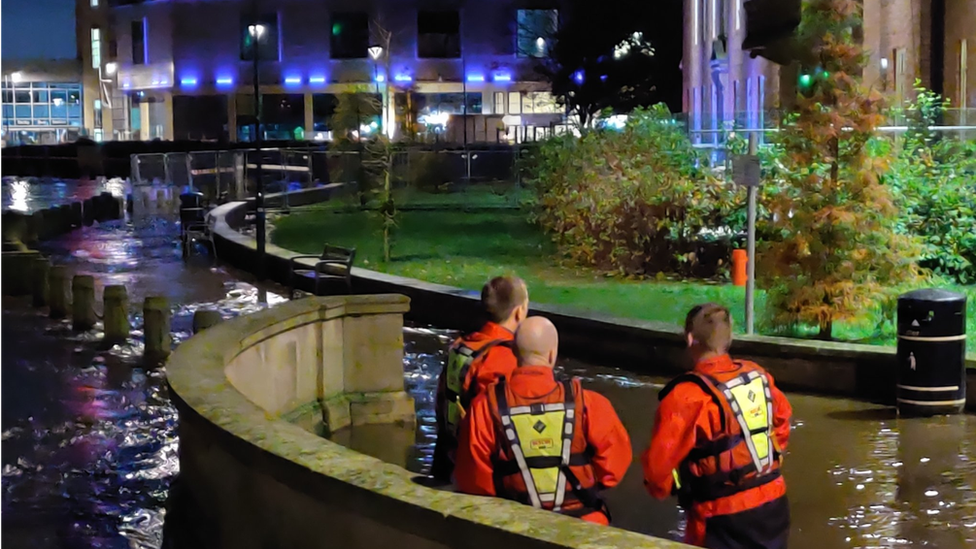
{"type": "Point", "coordinates": [89, 443]}
{"type": "Point", "coordinates": [29, 194]}
{"type": "Point", "coordinates": [857, 476]}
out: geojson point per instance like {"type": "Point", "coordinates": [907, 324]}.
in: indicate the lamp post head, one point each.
{"type": "Point", "coordinates": [111, 67]}
{"type": "Point", "coordinates": [16, 76]}
{"type": "Point", "coordinates": [375, 52]}
{"type": "Point", "coordinates": [257, 31]}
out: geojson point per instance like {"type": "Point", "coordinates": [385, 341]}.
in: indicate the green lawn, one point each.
{"type": "Point", "coordinates": [465, 249]}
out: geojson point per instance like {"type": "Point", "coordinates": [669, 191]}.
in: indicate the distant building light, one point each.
{"type": "Point", "coordinates": [403, 78]}
{"type": "Point", "coordinates": [316, 80]}
{"type": "Point", "coordinates": [476, 78]}
{"type": "Point", "coordinates": [293, 80]}
{"type": "Point", "coordinates": [125, 85]}
{"type": "Point", "coordinates": [225, 81]}
{"type": "Point", "coordinates": [578, 77]}
{"type": "Point", "coordinates": [256, 30]}
{"type": "Point", "coordinates": [188, 82]}
{"type": "Point", "coordinates": [379, 77]}
{"type": "Point", "coordinates": [434, 119]}
{"type": "Point", "coordinates": [501, 77]}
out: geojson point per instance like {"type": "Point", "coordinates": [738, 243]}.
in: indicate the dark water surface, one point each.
{"type": "Point", "coordinates": [29, 194]}
{"type": "Point", "coordinates": [858, 476]}
{"type": "Point", "coordinates": [89, 443]}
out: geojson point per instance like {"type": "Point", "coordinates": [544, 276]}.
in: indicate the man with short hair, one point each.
{"type": "Point", "coordinates": [718, 442]}
{"type": "Point", "coordinates": [545, 443]}
{"type": "Point", "coordinates": [474, 361]}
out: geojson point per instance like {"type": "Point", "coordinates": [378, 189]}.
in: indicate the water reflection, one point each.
{"type": "Point", "coordinates": [858, 476]}
{"type": "Point", "coordinates": [29, 194]}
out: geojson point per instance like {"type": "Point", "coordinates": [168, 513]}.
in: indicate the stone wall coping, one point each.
{"type": "Point", "coordinates": [745, 344]}
{"type": "Point", "coordinates": [195, 372]}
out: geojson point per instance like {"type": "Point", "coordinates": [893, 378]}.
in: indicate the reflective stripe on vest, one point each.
{"type": "Point", "coordinates": [536, 434]}
{"type": "Point", "coordinates": [752, 404]}
{"type": "Point", "coordinates": [459, 360]}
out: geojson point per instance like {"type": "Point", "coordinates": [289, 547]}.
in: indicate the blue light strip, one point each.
{"type": "Point", "coordinates": [225, 81]}
{"type": "Point", "coordinates": [316, 80]}
{"type": "Point", "coordinates": [403, 78]}
{"type": "Point", "coordinates": [188, 82]}
{"type": "Point", "coordinates": [476, 78]}
{"type": "Point", "coordinates": [501, 77]}
{"type": "Point", "coordinates": [293, 80]}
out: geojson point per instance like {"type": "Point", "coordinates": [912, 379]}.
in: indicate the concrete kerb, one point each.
{"type": "Point", "coordinates": [359, 500]}
{"type": "Point", "coordinates": [843, 369]}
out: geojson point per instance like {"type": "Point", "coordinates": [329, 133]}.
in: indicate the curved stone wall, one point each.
{"type": "Point", "coordinates": [253, 480]}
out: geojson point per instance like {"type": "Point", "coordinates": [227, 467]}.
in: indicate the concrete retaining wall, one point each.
{"type": "Point", "coordinates": [249, 479]}
{"type": "Point", "coordinates": [850, 370]}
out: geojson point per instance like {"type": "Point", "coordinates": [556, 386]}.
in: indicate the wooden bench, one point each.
{"type": "Point", "coordinates": [335, 263]}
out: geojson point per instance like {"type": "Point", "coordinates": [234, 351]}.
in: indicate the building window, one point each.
{"type": "Point", "coordinates": [96, 47]}
{"type": "Point", "coordinates": [514, 103]}
{"type": "Point", "coordinates": [963, 68]}
{"type": "Point", "coordinates": [261, 34]}
{"type": "Point", "coordinates": [438, 34]}
{"type": "Point", "coordinates": [139, 42]}
{"type": "Point", "coordinates": [350, 35]}
{"type": "Point", "coordinates": [539, 103]}
{"type": "Point", "coordinates": [113, 49]}
{"type": "Point", "coordinates": [94, 3]}
{"type": "Point", "coordinates": [42, 104]}
{"type": "Point", "coordinates": [98, 113]}
{"type": "Point", "coordinates": [536, 29]}
{"type": "Point", "coordinates": [499, 102]}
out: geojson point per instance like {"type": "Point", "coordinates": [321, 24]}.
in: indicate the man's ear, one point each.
{"type": "Point", "coordinates": [690, 339]}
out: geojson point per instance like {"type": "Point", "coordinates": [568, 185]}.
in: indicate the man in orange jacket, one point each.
{"type": "Point", "coordinates": [560, 444]}
{"type": "Point", "coordinates": [475, 361]}
{"type": "Point", "coordinates": [718, 442]}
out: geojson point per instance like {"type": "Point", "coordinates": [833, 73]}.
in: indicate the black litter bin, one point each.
{"type": "Point", "coordinates": [931, 352]}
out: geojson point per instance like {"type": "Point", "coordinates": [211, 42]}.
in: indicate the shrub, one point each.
{"type": "Point", "coordinates": [635, 202]}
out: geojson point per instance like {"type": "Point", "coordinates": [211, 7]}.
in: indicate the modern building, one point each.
{"type": "Point", "coordinates": [184, 69]}
{"type": "Point", "coordinates": [930, 40]}
{"type": "Point", "coordinates": [42, 102]}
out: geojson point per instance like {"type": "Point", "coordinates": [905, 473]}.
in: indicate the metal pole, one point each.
{"type": "Point", "coordinates": [464, 109]}
{"type": "Point", "coordinates": [751, 249]}
{"type": "Point", "coordinates": [259, 176]}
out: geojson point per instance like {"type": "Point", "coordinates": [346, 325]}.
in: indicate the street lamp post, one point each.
{"type": "Point", "coordinates": [375, 52]}
{"type": "Point", "coordinates": [256, 30]}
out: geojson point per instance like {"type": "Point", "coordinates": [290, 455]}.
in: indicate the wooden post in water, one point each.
{"type": "Point", "coordinates": [83, 302]}
{"type": "Point", "coordinates": [58, 291]}
{"type": "Point", "coordinates": [205, 318]}
{"type": "Point", "coordinates": [156, 327]}
{"type": "Point", "coordinates": [39, 288]}
{"type": "Point", "coordinates": [88, 212]}
{"type": "Point", "coordinates": [77, 215]}
{"type": "Point", "coordinates": [116, 313]}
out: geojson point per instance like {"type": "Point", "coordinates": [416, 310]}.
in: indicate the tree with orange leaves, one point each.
{"type": "Point", "coordinates": [835, 249]}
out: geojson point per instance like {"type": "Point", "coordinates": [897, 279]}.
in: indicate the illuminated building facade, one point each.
{"type": "Point", "coordinates": [183, 69]}
{"type": "Point", "coordinates": [930, 40]}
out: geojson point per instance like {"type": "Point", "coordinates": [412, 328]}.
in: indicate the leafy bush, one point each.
{"type": "Point", "coordinates": [635, 202]}
{"type": "Point", "coordinates": [934, 184]}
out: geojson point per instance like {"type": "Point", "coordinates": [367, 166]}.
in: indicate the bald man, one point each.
{"type": "Point", "coordinates": [562, 444]}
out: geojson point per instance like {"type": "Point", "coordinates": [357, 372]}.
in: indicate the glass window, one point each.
{"type": "Point", "coordinates": [8, 111]}
{"type": "Point", "coordinates": [536, 29]}
{"type": "Point", "coordinates": [74, 111]}
{"type": "Point", "coordinates": [514, 103]}
{"type": "Point", "coordinates": [499, 102]}
{"type": "Point", "coordinates": [96, 47]}
{"type": "Point", "coordinates": [8, 96]}
{"type": "Point", "coordinates": [98, 113]}
{"type": "Point", "coordinates": [74, 97]}
{"type": "Point", "coordinates": [474, 102]}
{"type": "Point", "coordinates": [40, 96]}
{"type": "Point", "coordinates": [139, 42]}
{"type": "Point", "coordinates": [59, 97]}
{"type": "Point", "coordinates": [542, 103]}
{"type": "Point", "coordinates": [22, 111]}
{"type": "Point", "coordinates": [22, 96]}
{"type": "Point", "coordinates": [41, 111]}
{"type": "Point", "coordinates": [438, 34]}
{"type": "Point", "coordinates": [263, 33]}
{"type": "Point", "coordinates": [94, 3]}
{"type": "Point", "coordinates": [350, 35]}
{"type": "Point", "coordinates": [59, 109]}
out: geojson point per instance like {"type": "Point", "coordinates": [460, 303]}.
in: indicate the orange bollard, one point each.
{"type": "Point", "coordinates": [739, 261]}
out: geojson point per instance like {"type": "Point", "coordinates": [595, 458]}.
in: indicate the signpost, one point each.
{"type": "Point", "coordinates": [746, 173]}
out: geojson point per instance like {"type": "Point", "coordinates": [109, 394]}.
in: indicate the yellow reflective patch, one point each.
{"type": "Point", "coordinates": [751, 398]}
{"type": "Point", "coordinates": [541, 436]}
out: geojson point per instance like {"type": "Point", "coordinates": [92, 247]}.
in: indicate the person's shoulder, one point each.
{"type": "Point", "coordinates": [687, 387]}
{"type": "Point", "coordinates": [753, 366]}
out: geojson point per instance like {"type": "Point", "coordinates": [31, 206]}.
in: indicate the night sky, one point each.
{"type": "Point", "coordinates": [38, 29]}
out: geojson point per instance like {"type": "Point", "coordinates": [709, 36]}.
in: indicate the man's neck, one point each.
{"type": "Point", "coordinates": [509, 325]}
